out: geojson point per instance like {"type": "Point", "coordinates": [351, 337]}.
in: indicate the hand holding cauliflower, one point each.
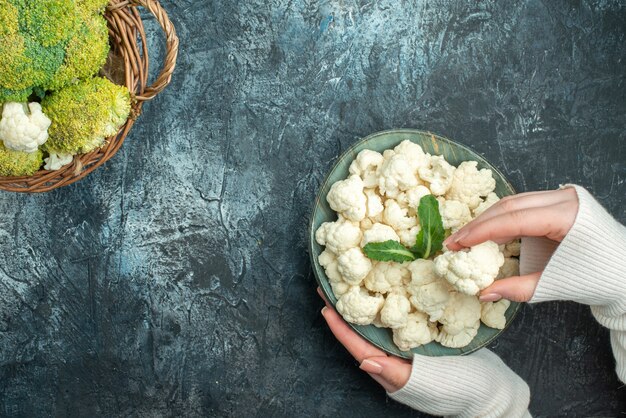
{"type": "Point", "coordinates": [381, 205]}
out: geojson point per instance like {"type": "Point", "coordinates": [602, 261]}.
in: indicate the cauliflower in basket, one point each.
{"type": "Point", "coordinates": [492, 313]}
{"type": "Point", "coordinates": [347, 197]}
{"type": "Point", "coordinates": [470, 184]}
{"type": "Point", "coordinates": [23, 127]}
{"type": "Point", "coordinates": [365, 165]}
{"type": "Point", "coordinates": [460, 320]}
{"type": "Point", "coordinates": [417, 331]}
{"type": "Point", "coordinates": [358, 307]}
{"type": "Point", "coordinates": [470, 270]}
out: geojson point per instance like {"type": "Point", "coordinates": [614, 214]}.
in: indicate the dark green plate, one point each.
{"type": "Point", "coordinates": [454, 153]}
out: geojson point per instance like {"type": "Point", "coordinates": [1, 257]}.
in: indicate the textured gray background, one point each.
{"type": "Point", "coordinates": [175, 280]}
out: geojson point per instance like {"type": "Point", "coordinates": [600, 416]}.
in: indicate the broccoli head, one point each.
{"type": "Point", "coordinates": [46, 44]}
{"type": "Point", "coordinates": [84, 114]}
{"type": "Point", "coordinates": [18, 163]}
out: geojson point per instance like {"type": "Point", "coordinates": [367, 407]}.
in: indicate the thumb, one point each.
{"type": "Point", "coordinates": [392, 371]}
{"type": "Point", "coordinates": [516, 288]}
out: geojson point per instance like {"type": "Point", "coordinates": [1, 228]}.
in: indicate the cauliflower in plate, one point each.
{"type": "Point", "coordinates": [330, 264]}
{"type": "Point", "coordinates": [374, 205]}
{"type": "Point", "coordinates": [454, 214]}
{"type": "Point", "coordinates": [470, 270]}
{"type": "Point", "coordinates": [397, 217]}
{"type": "Point", "coordinates": [353, 266]}
{"type": "Point", "coordinates": [414, 154]}
{"type": "Point", "coordinates": [385, 276]}
{"type": "Point", "coordinates": [379, 233]}
{"type": "Point", "coordinates": [422, 272]}
{"type": "Point", "coordinates": [512, 249]}
{"type": "Point", "coordinates": [347, 197]}
{"type": "Point", "coordinates": [365, 165]}
{"type": "Point", "coordinates": [357, 306]}
{"type": "Point", "coordinates": [411, 198]}
{"type": "Point", "coordinates": [431, 298]}
{"type": "Point", "coordinates": [492, 314]}
{"type": "Point", "coordinates": [339, 236]}
{"type": "Point", "coordinates": [417, 331]}
{"type": "Point", "coordinates": [460, 321]}
{"type": "Point", "coordinates": [438, 174]}
{"type": "Point", "coordinates": [509, 268]}
{"type": "Point", "coordinates": [469, 184]}
{"type": "Point", "coordinates": [489, 201]}
{"type": "Point", "coordinates": [395, 311]}
{"type": "Point", "coordinates": [408, 236]}
{"type": "Point", "coordinates": [395, 174]}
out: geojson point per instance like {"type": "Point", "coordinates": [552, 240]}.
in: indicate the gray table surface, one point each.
{"type": "Point", "coordinates": [175, 281]}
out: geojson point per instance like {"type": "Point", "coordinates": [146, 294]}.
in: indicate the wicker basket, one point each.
{"type": "Point", "coordinates": [129, 55]}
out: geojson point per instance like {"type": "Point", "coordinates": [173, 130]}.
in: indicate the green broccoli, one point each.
{"type": "Point", "coordinates": [84, 114]}
{"type": "Point", "coordinates": [18, 163]}
{"type": "Point", "coordinates": [46, 44]}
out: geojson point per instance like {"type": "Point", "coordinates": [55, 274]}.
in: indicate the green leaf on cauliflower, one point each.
{"type": "Point", "coordinates": [430, 238]}
{"type": "Point", "coordinates": [388, 251]}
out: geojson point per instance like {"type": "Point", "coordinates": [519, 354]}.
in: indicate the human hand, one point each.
{"type": "Point", "coordinates": [391, 372]}
{"type": "Point", "coordinates": [549, 214]}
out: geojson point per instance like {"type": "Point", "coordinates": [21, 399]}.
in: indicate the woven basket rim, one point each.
{"type": "Point", "coordinates": [128, 40]}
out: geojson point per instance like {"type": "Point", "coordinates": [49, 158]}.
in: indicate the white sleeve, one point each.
{"type": "Point", "coordinates": [478, 384]}
{"type": "Point", "coordinates": [588, 267]}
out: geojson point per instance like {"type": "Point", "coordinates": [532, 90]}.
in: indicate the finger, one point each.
{"type": "Point", "coordinates": [357, 346]}
{"type": "Point", "coordinates": [394, 372]}
{"type": "Point", "coordinates": [319, 292]}
{"type": "Point", "coordinates": [523, 201]}
{"type": "Point", "coordinates": [516, 288]}
{"type": "Point", "coordinates": [381, 381]}
{"type": "Point", "coordinates": [550, 221]}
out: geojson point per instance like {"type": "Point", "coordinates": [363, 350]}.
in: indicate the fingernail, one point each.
{"type": "Point", "coordinates": [324, 311]}
{"type": "Point", "coordinates": [489, 297]}
{"type": "Point", "coordinates": [370, 366]}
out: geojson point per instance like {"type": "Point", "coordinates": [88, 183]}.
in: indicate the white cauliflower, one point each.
{"type": "Point", "coordinates": [431, 298]}
{"type": "Point", "coordinates": [386, 276]}
{"type": "Point", "coordinates": [512, 249]}
{"type": "Point", "coordinates": [366, 224]}
{"type": "Point", "coordinates": [56, 161]}
{"type": "Point", "coordinates": [454, 214]}
{"type": "Point", "coordinates": [396, 174]}
{"type": "Point", "coordinates": [510, 268]}
{"type": "Point", "coordinates": [365, 165]}
{"type": "Point", "coordinates": [395, 311]}
{"type": "Point", "coordinates": [417, 331]}
{"type": "Point", "coordinates": [411, 198]}
{"type": "Point", "coordinates": [23, 128]}
{"type": "Point", "coordinates": [439, 174]}
{"type": "Point", "coordinates": [408, 236]}
{"type": "Point", "coordinates": [492, 313]}
{"type": "Point", "coordinates": [347, 197]}
{"type": "Point", "coordinates": [414, 154]}
{"type": "Point", "coordinates": [397, 217]}
{"type": "Point", "coordinates": [470, 270]}
{"type": "Point", "coordinates": [489, 201]}
{"type": "Point", "coordinates": [422, 272]}
{"type": "Point", "coordinates": [379, 233]}
{"type": "Point", "coordinates": [353, 266]}
{"type": "Point", "coordinates": [339, 236]}
{"type": "Point", "coordinates": [329, 261]}
{"type": "Point", "coordinates": [460, 321]}
{"type": "Point", "coordinates": [358, 307]}
{"type": "Point", "coordinates": [470, 184]}
{"type": "Point", "coordinates": [374, 206]}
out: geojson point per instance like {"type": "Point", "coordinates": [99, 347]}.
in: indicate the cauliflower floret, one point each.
{"type": "Point", "coordinates": [365, 165]}
{"type": "Point", "coordinates": [492, 313]}
{"type": "Point", "coordinates": [353, 266]}
{"type": "Point", "coordinates": [422, 272]}
{"type": "Point", "coordinates": [512, 249]}
{"type": "Point", "coordinates": [347, 197]}
{"type": "Point", "coordinates": [396, 174]}
{"type": "Point", "coordinates": [460, 320]}
{"type": "Point", "coordinates": [510, 268]}
{"type": "Point", "coordinates": [431, 298]}
{"type": "Point", "coordinates": [339, 236]}
{"type": "Point", "coordinates": [379, 233]}
{"type": "Point", "coordinates": [386, 276]}
{"type": "Point", "coordinates": [357, 306]}
{"type": "Point", "coordinates": [470, 270]}
{"type": "Point", "coordinates": [408, 236]}
{"type": "Point", "coordinates": [374, 206]}
{"type": "Point", "coordinates": [489, 201]}
{"type": "Point", "coordinates": [411, 198]}
{"type": "Point", "coordinates": [469, 184]}
{"type": "Point", "coordinates": [366, 224]}
{"type": "Point", "coordinates": [454, 214]}
{"type": "Point", "coordinates": [416, 332]}
{"type": "Point", "coordinates": [439, 174]}
{"type": "Point", "coordinates": [21, 130]}
{"type": "Point", "coordinates": [56, 161]}
{"type": "Point", "coordinates": [329, 261]}
{"type": "Point", "coordinates": [395, 311]}
{"type": "Point", "coordinates": [397, 217]}
{"type": "Point", "coordinates": [414, 154]}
